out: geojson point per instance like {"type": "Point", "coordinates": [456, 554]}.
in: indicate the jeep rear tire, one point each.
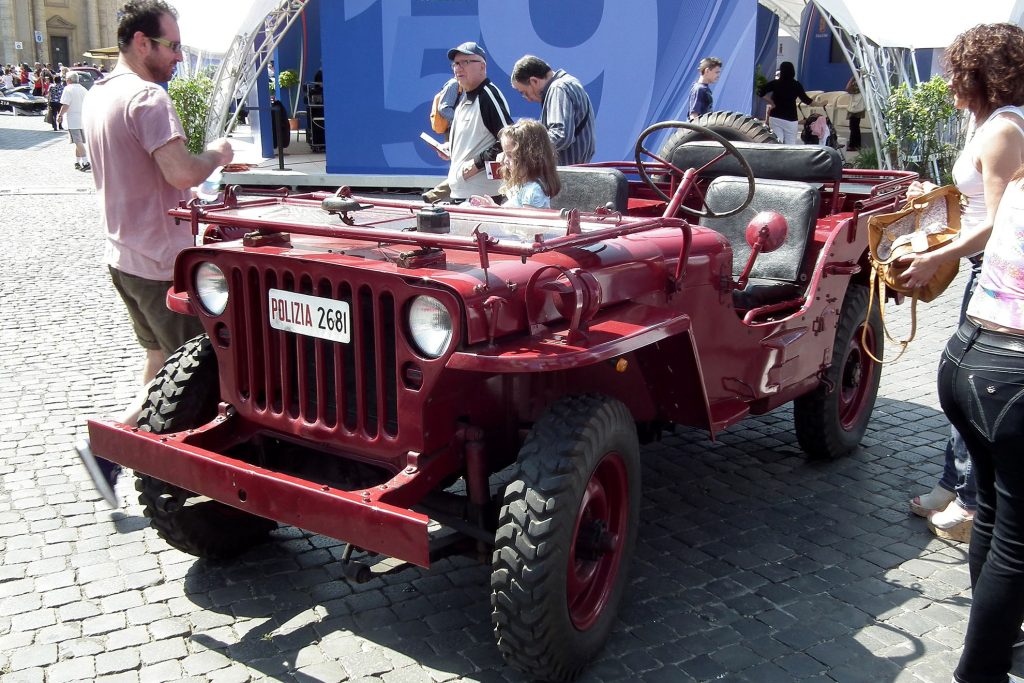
{"type": "Point", "coordinates": [185, 394]}
{"type": "Point", "coordinates": [566, 532]}
{"type": "Point", "coordinates": [831, 420]}
{"type": "Point", "coordinates": [731, 125]}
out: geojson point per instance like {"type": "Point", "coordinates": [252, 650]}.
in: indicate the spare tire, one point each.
{"type": "Point", "coordinates": [731, 125]}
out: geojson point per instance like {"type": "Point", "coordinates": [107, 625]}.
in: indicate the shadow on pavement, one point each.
{"type": "Point", "coordinates": [753, 564]}
{"type": "Point", "coordinates": [22, 140]}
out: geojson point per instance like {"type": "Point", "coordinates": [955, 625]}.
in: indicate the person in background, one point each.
{"type": "Point", "coordinates": [442, 111]}
{"type": "Point", "coordinates": [480, 114]}
{"type": "Point", "coordinates": [701, 100]}
{"type": "Point", "coordinates": [986, 69]}
{"type": "Point", "coordinates": [53, 101]}
{"type": "Point", "coordinates": [566, 111]}
{"type": "Point", "coordinates": [72, 100]}
{"type": "Point", "coordinates": [142, 168]}
{"type": "Point", "coordinates": [854, 111]}
{"type": "Point", "coordinates": [782, 94]}
{"type": "Point", "coordinates": [8, 81]}
{"type": "Point", "coordinates": [528, 166]}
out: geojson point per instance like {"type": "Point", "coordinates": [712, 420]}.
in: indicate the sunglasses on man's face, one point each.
{"type": "Point", "coordinates": [172, 45]}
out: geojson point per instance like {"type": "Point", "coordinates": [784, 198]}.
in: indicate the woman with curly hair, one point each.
{"type": "Point", "coordinates": [528, 167]}
{"type": "Point", "coordinates": [986, 75]}
{"type": "Point", "coordinates": [981, 372]}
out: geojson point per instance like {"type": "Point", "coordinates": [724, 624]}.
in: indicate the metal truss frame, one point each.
{"type": "Point", "coordinates": [244, 62]}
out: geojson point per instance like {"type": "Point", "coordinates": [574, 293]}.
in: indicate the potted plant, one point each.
{"type": "Point", "coordinates": [289, 80]}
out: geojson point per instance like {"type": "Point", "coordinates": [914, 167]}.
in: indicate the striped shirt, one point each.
{"type": "Point", "coordinates": [569, 118]}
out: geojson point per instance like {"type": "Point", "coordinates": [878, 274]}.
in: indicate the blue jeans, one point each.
{"type": "Point", "coordinates": [957, 475]}
{"type": "Point", "coordinates": [981, 389]}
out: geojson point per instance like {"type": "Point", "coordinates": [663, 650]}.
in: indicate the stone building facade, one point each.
{"type": "Point", "coordinates": [67, 29]}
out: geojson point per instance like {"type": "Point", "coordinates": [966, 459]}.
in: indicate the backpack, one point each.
{"type": "Point", "coordinates": [438, 123]}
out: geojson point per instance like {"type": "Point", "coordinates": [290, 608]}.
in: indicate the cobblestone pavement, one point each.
{"type": "Point", "coordinates": [753, 564]}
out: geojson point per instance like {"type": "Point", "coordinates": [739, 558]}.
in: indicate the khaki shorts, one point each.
{"type": "Point", "coordinates": [156, 326]}
{"type": "Point", "coordinates": [77, 136]}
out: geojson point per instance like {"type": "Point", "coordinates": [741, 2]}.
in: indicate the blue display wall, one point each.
{"type": "Point", "coordinates": [383, 61]}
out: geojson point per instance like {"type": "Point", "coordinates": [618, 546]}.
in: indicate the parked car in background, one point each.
{"type": "Point", "coordinates": [87, 75]}
{"type": "Point", "coordinates": [22, 102]}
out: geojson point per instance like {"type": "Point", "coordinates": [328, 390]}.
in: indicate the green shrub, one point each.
{"type": "Point", "coordinates": [921, 122]}
{"type": "Point", "coordinates": [191, 97]}
{"type": "Point", "coordinates": [867, 157]}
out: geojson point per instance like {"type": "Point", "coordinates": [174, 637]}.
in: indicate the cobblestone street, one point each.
{"type": "Point", "coordinates": [753, 563]}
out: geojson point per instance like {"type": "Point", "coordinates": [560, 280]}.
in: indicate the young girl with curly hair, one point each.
{"type": "Point", "coordinates": [529, 167]}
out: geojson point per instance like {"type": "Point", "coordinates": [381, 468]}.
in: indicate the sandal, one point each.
{"type": "Point", "coordinates": [954, 523]}
{"type": "Point", "coordinates": [933, 501]}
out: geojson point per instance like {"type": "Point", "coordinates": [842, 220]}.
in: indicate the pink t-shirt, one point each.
{"type": "Point", "coordinates": [126, 120]}
{"type": "Point", "coordinates": [999, 296]}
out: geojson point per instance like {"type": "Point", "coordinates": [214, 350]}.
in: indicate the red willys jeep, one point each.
{"type": "Point", "coordinates": [420, 381]}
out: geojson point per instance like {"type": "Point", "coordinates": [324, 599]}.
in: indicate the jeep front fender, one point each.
{"type": "Point", "coordinates": [606, 337]}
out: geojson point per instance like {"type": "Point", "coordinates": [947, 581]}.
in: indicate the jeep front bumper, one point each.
{"type": "Point", "coordinates": [358, 517]}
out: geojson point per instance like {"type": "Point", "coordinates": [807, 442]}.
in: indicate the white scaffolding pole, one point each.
{"type": "Point", "coordinates": [871, 79]}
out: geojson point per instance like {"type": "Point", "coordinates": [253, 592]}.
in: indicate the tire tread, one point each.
{"type": "Point", "coordinates": [528, 552]}
{"type": "Point", "coordinates": [185, 394]}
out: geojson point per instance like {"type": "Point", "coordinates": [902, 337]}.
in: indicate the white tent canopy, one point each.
{"type": "Point", "coordinates": [211, 27]}
{"type": "Point", "coordinates": [917, 24]}
{"type": "Point", "coordinates": [789, 12]}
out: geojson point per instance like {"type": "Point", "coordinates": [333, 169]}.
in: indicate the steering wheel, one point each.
{"type": "Point", "coordinates": [686, 188]}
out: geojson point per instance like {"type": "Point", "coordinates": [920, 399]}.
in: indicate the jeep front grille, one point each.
{"type": "Point", "coordinates": [347, 387]}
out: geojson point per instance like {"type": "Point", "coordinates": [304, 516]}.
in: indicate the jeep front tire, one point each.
{"type": "Point", "coordinates": [566, 532]}
{"type": "Point", "coordinates": [184, 395]}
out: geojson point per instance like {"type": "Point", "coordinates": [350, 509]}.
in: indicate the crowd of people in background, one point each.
{"type": "Point", "coordinates": [40, 77]}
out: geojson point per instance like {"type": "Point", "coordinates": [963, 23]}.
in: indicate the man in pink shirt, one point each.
{"type": "Point", "coordinates": [142, 168]}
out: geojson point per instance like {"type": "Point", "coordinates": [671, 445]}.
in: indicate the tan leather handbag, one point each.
{"type": "Point", "coordinates": [926, 223]}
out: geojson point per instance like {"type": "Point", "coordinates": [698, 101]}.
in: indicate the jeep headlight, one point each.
{"type": "Point", "coordinates": [212, 287]}
{"type": "Point", "coordinates": [430, 326]}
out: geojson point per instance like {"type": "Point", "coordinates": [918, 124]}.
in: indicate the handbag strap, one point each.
{"type": "Point", "coordinates": [904, 343]}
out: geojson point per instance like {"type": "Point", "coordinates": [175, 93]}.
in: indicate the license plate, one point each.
{"type": "Point", "coordinates": [312, 316]}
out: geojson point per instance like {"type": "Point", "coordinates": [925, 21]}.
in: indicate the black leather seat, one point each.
{"type": "Point", "coordinates": [802, 163]}
{"type": "Point", "coordinates": [587, 188]}
{"type": "Point", "coordinates": [776, 275]}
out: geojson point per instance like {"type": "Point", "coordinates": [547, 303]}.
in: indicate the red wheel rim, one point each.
{"type": "Point", "coordinates": [598, 540]}
{"type": "Point", "coordinates": [857, 377]}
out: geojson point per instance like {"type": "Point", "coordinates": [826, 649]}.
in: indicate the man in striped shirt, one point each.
{"type": "Point", "coordinates": [481, 111]}
{"type": "Point", "coordinates": [565, 108]}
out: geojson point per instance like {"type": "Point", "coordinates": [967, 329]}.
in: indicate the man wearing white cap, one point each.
{"type": "Point", "coordinates": [480, 114]}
